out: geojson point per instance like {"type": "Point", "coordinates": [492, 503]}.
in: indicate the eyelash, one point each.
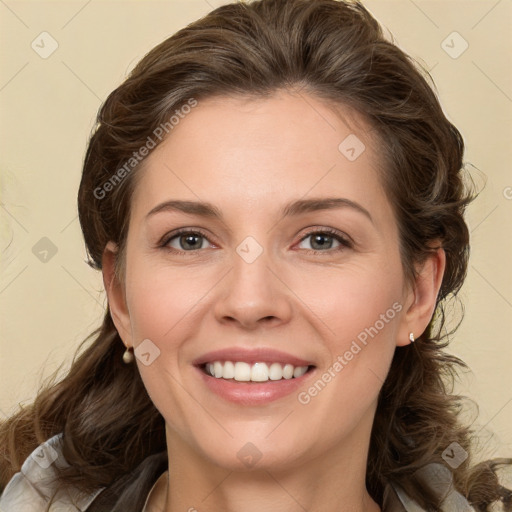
{"type": "Point", "coordinates": [345, 242]}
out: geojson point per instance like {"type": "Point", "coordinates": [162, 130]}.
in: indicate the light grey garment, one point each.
{"type": "Point", "coordinates": [32, 489]}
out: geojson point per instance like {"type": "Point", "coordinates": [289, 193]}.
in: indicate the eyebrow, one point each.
{"type": "Point", "coordinates": [191, 207]}
{"type": "Point", "coordinates": [327, 203]}
{"type": "Point", "coordinates": [208, 210]}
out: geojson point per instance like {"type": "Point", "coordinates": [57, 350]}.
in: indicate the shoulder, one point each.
{"type": "Point", "coordinates": [35, 487]}
{"type": "Point", "coordinates": [439, 480]}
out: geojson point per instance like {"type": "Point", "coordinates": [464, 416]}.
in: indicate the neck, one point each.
{"type": "Point", "coordinates": [334, 482]}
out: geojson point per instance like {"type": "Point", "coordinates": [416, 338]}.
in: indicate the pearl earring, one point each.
{"type": "Point", "coordinates": [128, 356]}
{"type": "Point", "coordinates": [411, 337]}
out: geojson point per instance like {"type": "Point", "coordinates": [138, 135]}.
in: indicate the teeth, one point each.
{"type": "Point", "coordinates": [275, 372]}
{"type": "Point", "coordinates": [299, 371]}
{"type": "Point", "coordinates": [228, 372]}
{"type": "Point", "coordinates": [288, 371]}
{"type": "Point", "coordinates": [258, 372]}
{"type": "Point", "coordinates": [242, 372]}
{"type": "Point", "coordinates": [217, 369]}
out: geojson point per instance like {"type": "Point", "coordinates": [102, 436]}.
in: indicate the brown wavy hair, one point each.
{"type": "Point", "coordinates": [338, 52]}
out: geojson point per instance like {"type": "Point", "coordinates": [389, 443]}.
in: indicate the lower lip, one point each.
{"type": "Point", "coordinates": [253, 393]}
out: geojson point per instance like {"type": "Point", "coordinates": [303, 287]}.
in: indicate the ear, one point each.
{"type": "Point", "coordinates": [116, 294]}
{"type": "Point", "coordinates": [422, 297]}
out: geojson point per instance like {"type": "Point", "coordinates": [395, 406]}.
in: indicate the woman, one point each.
{"type": "Point", "coordinates": [275, 199]}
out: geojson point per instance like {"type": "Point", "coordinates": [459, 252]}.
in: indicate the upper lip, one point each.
{"type": "Point", "coordinates": [251, 356]}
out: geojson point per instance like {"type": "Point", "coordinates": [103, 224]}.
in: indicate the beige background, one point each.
{"type": "Point", "coordinates": [48, 108]}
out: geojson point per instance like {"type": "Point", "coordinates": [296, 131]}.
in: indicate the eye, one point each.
{"type": "Point", "coordinates": [186, 241]}
{"type": "Point", "coordinates": [326, 239]}
{"type": "Point", "coordinates": [321, 240]}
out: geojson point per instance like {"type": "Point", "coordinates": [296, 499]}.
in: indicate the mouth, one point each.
{"type": "Point", "coordinates": [261, 371]}
{"type": "Point", "coordinates": [253, 377]}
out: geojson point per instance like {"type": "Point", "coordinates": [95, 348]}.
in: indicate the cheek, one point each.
{"type": "Point", "coordinates": [365, 309]}
{"type": "Point", "coordinates": [351, 298]}
{"type": "Point", "coordinates": [162, 301]}
{"type": "Point", "coordinates": [164, 304]}
{"type": "Point", "coordinates": [359, 310]}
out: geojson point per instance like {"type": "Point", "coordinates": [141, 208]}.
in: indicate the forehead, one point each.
{"type": "Point", "coordinates": [262, 152]}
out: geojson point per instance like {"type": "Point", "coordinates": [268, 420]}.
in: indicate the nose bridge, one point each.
{"type": "Point", "coordinates": [251, 292]}
{"type": "Point", "coordinates": [251, 270]}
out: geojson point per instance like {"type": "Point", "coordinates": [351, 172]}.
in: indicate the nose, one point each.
{"type": "Point", "coordinates": [252, 295]}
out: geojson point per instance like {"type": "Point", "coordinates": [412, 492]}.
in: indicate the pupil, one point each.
{"type": "Point", "coordinates": [189, 239]}
{"type": "Point", "coordinates": [320, 240]}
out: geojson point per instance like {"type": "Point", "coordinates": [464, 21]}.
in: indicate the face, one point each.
{"type": "Point", "coordinates": [291, 259]}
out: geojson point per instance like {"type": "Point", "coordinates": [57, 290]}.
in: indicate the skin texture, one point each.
{"type": "Point", "coordinates": [249, 158]}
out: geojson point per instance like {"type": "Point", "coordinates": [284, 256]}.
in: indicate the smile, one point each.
{"type": "Point", "coordinates": [253, 376]}
{"type": "Point", "coordinates": [241, 371]}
